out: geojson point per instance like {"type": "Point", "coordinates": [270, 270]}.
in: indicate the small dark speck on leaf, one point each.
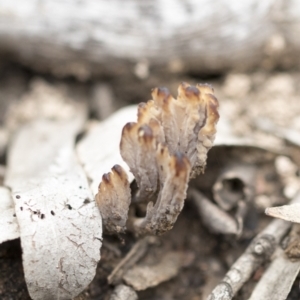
{"type": "Point", "coordinates": [52, 213]}
{"type": "Point", "coordinates": [18, 196]}
{"type": "Point", "coordinates": [42, 216]}
{"type": "Point", "coordinates": [69, 206]}
{"type": "Point", "coordinates": [35, 212]}
{"type": "Point", "coordinates": [14, 215]}
{"type": "Point", "coordinates": [86, 201]}
{"type": "Point", "coordinates": [21, 208]}
{"type": "Point", "coordinates": [80, 187]}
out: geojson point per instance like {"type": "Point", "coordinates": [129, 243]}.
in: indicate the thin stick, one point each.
{"type": "Point", "coordinates": [277, 281]}
{"type": "Point", "coordinates": [260, 250]}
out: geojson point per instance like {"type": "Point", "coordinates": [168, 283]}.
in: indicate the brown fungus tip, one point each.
{"type": "Point", "coordinates": [106, 178]}
{"type": "Point", "coordinates": [145, 132]}
{"type": "Point", "coordinates": [213, 111]}
{"type": "Point", "coordinates": [192, 92]}
{"type": "Point", "coordinates": [205, 88]}
{"type": "Point", "coordinates": [183, 85]}
{"type": "Point", "coordinates": [129, 126]}
{"type": "Point", "coordinates": [118, 169]}
{"type": "Point", "coordinates": [161, 94]}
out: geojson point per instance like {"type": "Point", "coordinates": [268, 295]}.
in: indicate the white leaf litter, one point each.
{"type": "Point", "coordinates": [9, 228]}
{"type": "Point", "coordinates": [99, 150]}
{"type": "Point", "coordinates": [60, 226]}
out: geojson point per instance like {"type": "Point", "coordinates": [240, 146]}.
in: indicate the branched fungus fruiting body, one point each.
{"type": "Point", "coordinates": [165, 147]}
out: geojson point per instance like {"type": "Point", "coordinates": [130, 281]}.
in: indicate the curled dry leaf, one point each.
{"type": "Point", "coordinates": [212, 216]}
{"type": "Point", "coordinates": [165, 147]}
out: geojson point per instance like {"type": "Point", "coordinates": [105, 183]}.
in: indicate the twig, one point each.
{"type": "Point", "coordinates": [277, 281]}
{"type": "Point", "coordinates": [260, 250]}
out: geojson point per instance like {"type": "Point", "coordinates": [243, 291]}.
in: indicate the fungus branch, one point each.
{"type": "Point", "coordinates": [165, 147]}
{"type": "Point", "coordinates": [114, 190]}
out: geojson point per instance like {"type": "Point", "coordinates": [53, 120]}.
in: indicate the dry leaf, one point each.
{"type": "Point", "coordinates": [99, 150]}
{"type": "Point", "coordinates": [9, 227]}
{"type": "Point", "coordinates": [60, 225]}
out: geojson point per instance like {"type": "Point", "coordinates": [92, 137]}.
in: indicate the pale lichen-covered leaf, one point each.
{"type": "Point", "coordinates": [9, 227]}
{"type": "Point", "coordinates": [60, 225]}
{"type": "Point", "coordinates": [98, 151]}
